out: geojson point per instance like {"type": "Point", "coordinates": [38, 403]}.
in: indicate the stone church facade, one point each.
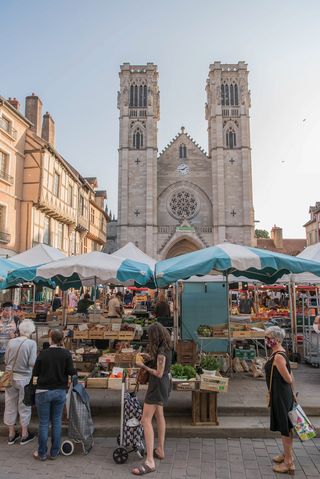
{"type": "Point", "coordinates": [183, 199]}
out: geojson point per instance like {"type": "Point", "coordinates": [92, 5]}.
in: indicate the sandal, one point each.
{"type": "Point", "coordinates": [284, 468]}
{"type": "Point", "coordinates": [278, 459]}
{"type": "Point", "coordinates": [143, 469]}
{"type": "Point", "coordinates": [156, 455]}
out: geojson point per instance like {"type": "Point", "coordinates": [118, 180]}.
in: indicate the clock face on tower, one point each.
{"type": "Point", "coordinates": [183, 169]}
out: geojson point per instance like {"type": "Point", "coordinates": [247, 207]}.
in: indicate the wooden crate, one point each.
{"type": "Point", "coordinates": [204, 408]}
{"type": "Point", "coordinates": [241, 334]}
{"type": "Point", "coordinates": [186, 352]}
{"type": "Point", "coordinates": [214, 383]}
{"type": "Point", "coordinates": [96, 334]}
{"type": "Point", "coordinates": [125, 357]}
{"type": "Point", "coordinates": [97, 383]}
{"type": "Point", "coordinates": [80, 334]}
{"type": "Point", "coordinates": [184, 385]}
{"type": "Point", "coordinates": [126, 335]}
{"type": "Point", "coordinates": [116, 383]}
{"type": "Point", "coordinates": [111, 334]}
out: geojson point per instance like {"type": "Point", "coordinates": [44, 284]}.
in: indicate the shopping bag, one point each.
{"type": "Point", "coordinates": [301, 424]}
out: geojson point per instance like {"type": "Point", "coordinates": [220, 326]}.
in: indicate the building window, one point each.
{"type": "Point", "coordinates": [85, 244]}
{"type": "Point", "coordinates": [60, 235]}
{"type": "Point", "coordinates": [229, 94]}
{"type": "Point", "coordinates": [138, 96]}
{"type": "Point", "coordinates": [182, 151]}
{"type": "Point", "coordinates": [138, 139]}
{"type": "Point", "coordinates": [4, 167]}
{"type": "Point", "coordinates": [3, 214]}
{"type": "Point", "coordinates": [231, 138]}
{"type": "Point", "coordinates": [92, 216]}
{"type": "Point", "coordinates": [82, 206]}
{"type": "Point", "coordinates": [70, 195]}
{"type": "Point", "coordinates": [6, 124]}
{"type": "Point", "coordinates": [183, 205]}
{"type": "Point", "coordinates": [46, 230]}
{"type": "Point", "coordinates": [56, 184]}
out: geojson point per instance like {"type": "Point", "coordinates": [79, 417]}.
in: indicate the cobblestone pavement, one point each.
{"type": "Point", "coordinates": [185, 458]}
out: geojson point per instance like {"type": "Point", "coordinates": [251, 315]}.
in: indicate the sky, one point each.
{"type": "Point", "coordinates": [69, 52]}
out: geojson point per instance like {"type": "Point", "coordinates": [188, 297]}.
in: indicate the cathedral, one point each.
{"type": "Point", "coordinates": [184, 198]}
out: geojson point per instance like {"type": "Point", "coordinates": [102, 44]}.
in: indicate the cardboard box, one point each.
{"type": "Point", "coordinates": [214, 383]}
{"type": "Point", "coordinates": [97, 383]}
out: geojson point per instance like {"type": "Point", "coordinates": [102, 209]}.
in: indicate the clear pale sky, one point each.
{"type": "Point", "coordinates": [68, 52]}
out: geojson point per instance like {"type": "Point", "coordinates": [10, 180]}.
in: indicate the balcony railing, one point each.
{"type": "Point", "coordinates": [4, 176]}
{"type": "Point", "coordinates": [7, 127]}
{"type": "Point", "coordinates": [5, 237]}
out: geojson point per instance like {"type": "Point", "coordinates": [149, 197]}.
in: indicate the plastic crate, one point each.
{"type": "Point", "coordinates": [247, 354]}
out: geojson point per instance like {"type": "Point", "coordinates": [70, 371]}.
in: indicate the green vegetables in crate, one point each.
{"type": "Point", "coordinates": [179, 371]}
{"type": "Point", "coordinates": [204, 330]}
{"type": "Point", "coordinates": [209, 363]}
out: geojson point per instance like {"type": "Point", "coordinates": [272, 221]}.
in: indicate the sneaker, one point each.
{"type": "Point", "coordinates": [30, 437]}
{"type": "Point", "coordinates": [39, 458]}
{"type": "Point", "coordinates": [13, 440]}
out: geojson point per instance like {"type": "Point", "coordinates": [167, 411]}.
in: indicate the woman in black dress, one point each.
{"type": "Point", "coordinates": [280, 383]}
{"type": "Point", "coordinates": [157, 395]}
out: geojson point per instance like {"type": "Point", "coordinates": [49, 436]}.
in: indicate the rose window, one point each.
{"type": "Point", "coordinates": [183, 204]}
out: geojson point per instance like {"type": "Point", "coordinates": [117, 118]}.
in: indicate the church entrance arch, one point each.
{"type": "Point", "coordinates": [182, 246]}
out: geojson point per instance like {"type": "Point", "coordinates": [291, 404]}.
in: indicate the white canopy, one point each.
{"type": "Point", "coordinates": [313, 253]}
{"type": "Point", "coordinates": [130, 251]}
{"type": "Point", "coordinates": [97, 267]}
{"type": "Point", "coordinates": [40, 254]}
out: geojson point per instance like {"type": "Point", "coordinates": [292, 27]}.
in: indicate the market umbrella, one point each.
{"type": "Point", "coordinates": [131, 251]}
{"type": "Point", "coordinates": [262, 265]}
{"type": "Point", "coordinates": [39, 254]}
{"type": "Point", "coordinates": [7, 265]}
{"type": "Point", "coordinates": [95, 268]}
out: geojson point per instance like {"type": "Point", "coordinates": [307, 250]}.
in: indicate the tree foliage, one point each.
{"type": "Point", "coordinates": [261, 234]}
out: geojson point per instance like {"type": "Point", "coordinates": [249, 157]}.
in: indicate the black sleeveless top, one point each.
{"type": "Point", "coordinates": [281, 398]}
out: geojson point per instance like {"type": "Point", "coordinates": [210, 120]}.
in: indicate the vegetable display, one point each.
{"type": "Point", "coordinates": [204, 330]}
{"type": "Point", "coordinates": [209, 363]}
{"type": "Point", "coordinates": [179, 371]}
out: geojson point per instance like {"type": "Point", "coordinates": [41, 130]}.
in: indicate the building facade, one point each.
{"type": "Point", "coordinates": [184, 198]}
{"type": "Point", "coordinates": [53, 203]}
{"type": "Point", "coordinates": [313, 225]}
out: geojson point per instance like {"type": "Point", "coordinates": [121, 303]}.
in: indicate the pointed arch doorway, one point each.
{"type": "Point", "coordinates": [181, 247]}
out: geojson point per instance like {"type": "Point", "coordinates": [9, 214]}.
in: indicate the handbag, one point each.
{"type": "Point", "coordinates": [143, 376]}
{"type": "Point", "coordinates": [301, 424]}
{"type": "Point", "coordinates": [29, 398]}
{"type": "Point", "coordinates": [6, 378]}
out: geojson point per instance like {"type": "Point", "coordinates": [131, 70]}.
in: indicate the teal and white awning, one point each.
{"type": "Point", "coordinates": [261, 265]}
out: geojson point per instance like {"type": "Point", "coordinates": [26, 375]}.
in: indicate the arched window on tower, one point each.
{"type": "Point", "coordinates": [231, 95]}
{"type": "Point", "coordinates": [222, 95]}
{"type": "Point", "coordinates": [131, 95]}
{"type": "Point", "coordinates": [226, 94]}
{"type": "Point", "coordinates": [182, 151]}
{"type": "Point", "coordinates": [145, 94]}
{"type": "Point", "coordinates": [140, 95]}
{"type": "Point", "coordinates": [137, 139]}
{"type": "Point", "coordinates": [135, 98]}
{"type": "Point", "coordinates": [236, 96]}
{"type": "Point", "coordinates": [231, 138]}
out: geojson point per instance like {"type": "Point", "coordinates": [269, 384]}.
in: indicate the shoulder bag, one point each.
{"type": "Point", "coordinates": [6, 378]}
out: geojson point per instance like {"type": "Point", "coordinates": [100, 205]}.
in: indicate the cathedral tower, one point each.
{"type": "Point", "coordinates": [227, 113]}
{"type": "Point", "coordinates": [138, 102]}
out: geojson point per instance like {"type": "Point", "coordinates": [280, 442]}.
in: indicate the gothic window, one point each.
{"type": "Point", "coordinates": [145, 94]}
{"type": "Point", "coordinates": [182, 151]}
{"type": "Point", "coordinates": [231, 95]}
{"type": "Point", "coordinates": [226, 94]}
{"type": "Point", "coordinates": [222, 95]}
{"type": "Point", "coordinates": [131, 95]}
{"type": "Point", "coordinates": [138, 139]}
{"type": "Point", "coordinates": [140, 95]}
{"type": "Point", "coordinates": [183, 204]}
{"type": "Point", "coordinates": [135, 98]}
{"type": "Point", "coordinates": [231, 138]}
{"type": "Point", "coordinates": [236, 97]}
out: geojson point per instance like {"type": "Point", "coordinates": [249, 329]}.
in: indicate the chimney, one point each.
{"type": "Point", "coordinates": [14, 102]}
{"type": "Point", "coordinates": [34, 112]}
{"type": "Point", "coordinates": [48, 129]}
{"type": "Point", "coordinates": [276, 236]}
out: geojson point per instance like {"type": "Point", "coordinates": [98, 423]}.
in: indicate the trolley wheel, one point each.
{"type": "Point", "coordinates": [67, 448]}
{"type": "Point", "coordinates": [118, 439]}
{"type": "Point", "coordinates": [120, 455]}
